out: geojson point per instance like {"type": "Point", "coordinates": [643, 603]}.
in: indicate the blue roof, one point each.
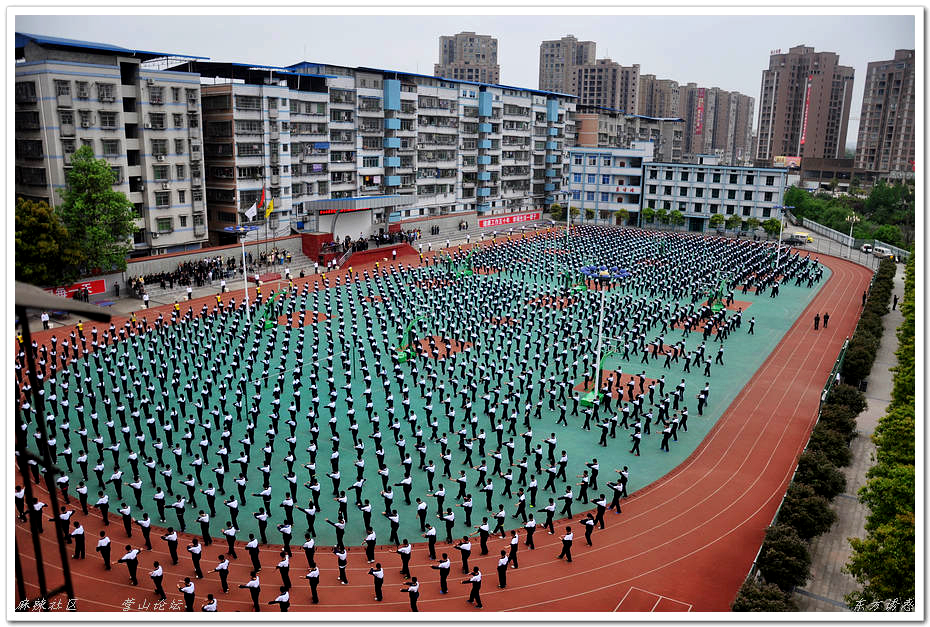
{"type": "Point", "coordinates": [443, 78]}
{"type": "Point", "coordinates": [23, 38]}
{"type": "Point", "coordinates": [281, 70]}
{"type": "Point", "coordinates": [712, 165]}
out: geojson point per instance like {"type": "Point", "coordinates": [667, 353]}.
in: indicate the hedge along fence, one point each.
{"type": "Point", "coordinates": [804, 513]}
{"type": "Point", "coordinates": [867, 337]}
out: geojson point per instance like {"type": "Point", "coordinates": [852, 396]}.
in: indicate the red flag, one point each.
{"type": "Point", "coordinates": [261, 201]}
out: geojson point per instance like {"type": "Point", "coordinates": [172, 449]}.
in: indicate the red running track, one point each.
{"type": "Point", "coordinates": [686, 542]}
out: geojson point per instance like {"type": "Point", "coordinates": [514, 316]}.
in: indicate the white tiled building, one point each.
{"type": "Point", "coordinates": [144, 121]}
{"type": "Point", "coordinates": [607, 180]}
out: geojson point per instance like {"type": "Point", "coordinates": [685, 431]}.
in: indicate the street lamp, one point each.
{"type": "Point", "coordinates": [781, 228]}
{"type": "Point", "coordinates": [241, 231]}
{"type": "Point", "coordinates": [853, 221]}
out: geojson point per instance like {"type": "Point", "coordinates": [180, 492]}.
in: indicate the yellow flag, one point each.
{"type": "Point", "coordinates": [270, 208]}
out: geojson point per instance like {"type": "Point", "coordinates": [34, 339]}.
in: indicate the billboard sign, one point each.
{"type": "Point", "coordinates": [526, 217]}
{"type": "Point", "coordinates": [97, 286]}
{"type": "Point", "coordinates": [784, 161]}
{"type": "Point", "coordinates": [699, 119]}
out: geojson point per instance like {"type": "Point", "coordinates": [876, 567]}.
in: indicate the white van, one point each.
{"type": "Point", "coordinates": [866, 248]}
{"type": "Point", "coordinates": [881, 252]}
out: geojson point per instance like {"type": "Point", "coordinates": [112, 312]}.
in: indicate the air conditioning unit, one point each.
{"type": "Point", "coordinates": [154, 235]}
{"type": "Point", "coordinates": [148, 125]}
{"type": "Point", "coordinates": [150, 81]}
{"type": "Point", "coordinates": [142, 188]}
{"type": "Point", "coordinates": [85, 124]}
{"type": "Point", "coordinates": [160, 157]}
{"type": "Point", "coordinates": [166, 185]}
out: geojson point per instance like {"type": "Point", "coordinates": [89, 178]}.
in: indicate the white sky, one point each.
{"type": "Point", "coordinates": [726, 51]}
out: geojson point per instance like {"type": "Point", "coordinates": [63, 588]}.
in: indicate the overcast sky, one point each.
{"type": "Point", "coordinates": [723, 51]}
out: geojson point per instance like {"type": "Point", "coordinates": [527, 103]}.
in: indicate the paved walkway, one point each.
{"type": "Point", "coordinates": [828, 584]}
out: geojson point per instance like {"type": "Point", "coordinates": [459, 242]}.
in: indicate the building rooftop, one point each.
{"type": "Point", "coordinates": [22, 39]}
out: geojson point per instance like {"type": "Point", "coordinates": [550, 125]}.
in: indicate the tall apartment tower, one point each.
{"type": "Point", "coordinates": [606, 83]}
{"type": "Point", "coordinates": [658, 97]}
{"type": "Point", "coordinates": [804, 105]}
{"type": "Point", "coordinates": [559, 60]}
{"type": "Point", "coordinates": [886, 125]}
{"type": "Point", "coordinates": [143, 121]}
{"type": "Point", "coordinates": [468, 57]}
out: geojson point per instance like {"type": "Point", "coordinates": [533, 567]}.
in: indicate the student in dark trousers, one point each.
{"type": "Point", "coordinates": [464, 547]}
{"type": "Point", "coordinates": [78, 535]}
{"type": "Point", "coordinates": [444, 567]}
{"type": "Point", "coordinates": [187, 588]}
{"type": "Point", "coordinates": [103, 547]}
{"type": "Point", "coordinates": [567, 544]}
{"type": "Point", "coordinates": [826, 319]}
{"type": "Point", "coordinates": [172, 539]}
{"type": "Point", "coordinates": [283, 600]}
{"type": "Point", "coordinates": [222, 569]}
{"type": "Point", "coordinates": [313, 577]}
{"type": "Point", "coordinates": [131, 559]}
{"type": "Point", "coordinates": [514, 547]}
{"type": "Point", "coordinates": [816, 321]}
{"type": "Point", "coordinates": [475, 581]}
{"type": "Point", "coordinates": [589, 523]}
{"type": "Point", "coordinates": [377, 574]}
{"type": "Point", "coordinates": [502, 563]}
{"type": "Point", "coordinates": [254, 588]}
{"type": "Point", "coordinates": [413, 589]}
{"type": "Point", "coordinates": [158, 576]}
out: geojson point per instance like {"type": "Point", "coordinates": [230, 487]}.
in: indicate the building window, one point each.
{"type": "Point", "coordinates": [179, 146]}
{"type": "Point", "coordinates": [684, 175]}
{"type": "Point", "coordinates": [730, 210]}
{"type": "Point", "coordinates": [578, 160]}
{"type": "Point", "coordinates": [770, 180]}
{"type": "Point", "coordinates": [577, 177]}
{"type": "Point", "coordinates": [105, 92]}
{"type": "Point", "coordinates": [162, 199]}
{"type": "Point", "coordinates": [715, 193]}
{"type": "Point", "coordinates": [592, 178]}
{"type": "Point", "coordinates": [178, 119]}
{"type": "Point", "coordinates": [592, 160]}
{"type": "Point", "coordinates": [682, 191]}
{"type": "Point", "coordinates": [750, 179]}
{"type": "Point", "coordinates": [179, 170]}
{"type": "Point", "coordinates": [747, 195]}
{"type": "Point", "coordinates": [370, 162]}
{"type": "Point", "coordinates": [163, 225]}
{"type": "Point", "coordinates": [653, 174]}
{"type": "Point", "coordinates": [183, 220]}
{"type": "Point", "coordinates": [766, 212]}
{"type": "Point", "coordinates": [652, 189]}
{"type": "Point", "coordinates": [734, 179]}
{"type": "Point", "coordinates": [746, 211]}
{"type": "Point", "coordinates": [589, 196]}
{"type": "Point", "coordinates": [605, 197]}
{"type": "Point", "coordinates": [714, 208]}
{"type": "Point", "coordinates": [110, 147]}
{"type": "Point", "coordinates": [667, 205]}
{"type": "Point", "coordinates": [605, 179]}
{"type": "Point", "coordinates": [576, 195]}
{"type": "Point", "coordinates": [182, 195]}
{"type": "Point", "coordinates": [156, 95]}
{"type": "Point", "coordinates": [176, 97]}
{"type": "Point", "coordinates": [716, 177]}
{"type": "Point", "coordinates": [82, 89]}
{"type": "Point", "coordinates": [606, 161]}
{"type": "Point", "coordinates": [62, 88]}
{"type": "Point", "coordinates": [160, 172]}
{"type": "Point", "coordinates": [699, 192]}
{"type": "Point", "coordinates": [157, 120]}
{"type": "Point", "coordinates": [668, 175]}
{"type": "Point", "coordinates": [768, 196]}
{"type": "Point", "coordinates": [108, 119]}
{"type": "Point", "coordinates": [667, 190]}
{"type": "Point", "coordinates": [731, 194]}
{"type": "Point", "coordinates": [700, 177]}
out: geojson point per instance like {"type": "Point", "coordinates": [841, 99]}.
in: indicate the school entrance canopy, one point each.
{"type": "Point", "coordinates": [351, 216]}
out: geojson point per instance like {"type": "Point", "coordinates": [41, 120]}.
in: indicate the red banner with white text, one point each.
{"type": "Point", "coordinates": [97, 286]}
{"type": "Point", "coordinates": [499, 221]}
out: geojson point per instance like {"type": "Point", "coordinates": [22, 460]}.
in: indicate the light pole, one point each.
{"type": "Point", "coordinates": [241, 231]}
{"type": "Point", "coordinates": [853, 221]}
{"type": "Point", "coordinates": [781, 228]}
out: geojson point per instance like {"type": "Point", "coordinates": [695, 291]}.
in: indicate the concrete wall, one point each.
{"type": "Point", "coordinates": [168, 263]}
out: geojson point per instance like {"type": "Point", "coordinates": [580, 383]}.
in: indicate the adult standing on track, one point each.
{"type": "Point", "coordinates": [377, 574]}
{"type": "Point", "coordinates": [254, 588]}
{"type": "Point", "coordinates": [413, 589]}
{"type": "Point", "coordinates": [567, 545]}
{"type": "Point", "coordinates": [475, 581]}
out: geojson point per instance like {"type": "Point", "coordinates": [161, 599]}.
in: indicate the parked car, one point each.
{"type": "Point", "coordinates": [882, 253]}
{"type": "Point", "coordinates": [805, 236]}
{"type": "Point", "coordinates": [866, 248]}
{"type": "Point", "coordinates": [794, 240]}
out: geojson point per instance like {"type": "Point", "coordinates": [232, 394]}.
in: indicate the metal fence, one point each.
{"type": "Point", "coordinates": [844, 239]}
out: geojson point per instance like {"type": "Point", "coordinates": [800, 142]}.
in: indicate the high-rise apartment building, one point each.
{"type": "Point", "coordinates": [804, 105]}
{"type": "Point", "coordinates": [143, 121]}
{"type": "Point", "coordinates": [886, 125]}
{"type": "Point", "coordinates": [658, 97]}
{"type": "Point", "coordinates": [468, 57]}
{"type": "Point", "coordinates": [602, 128]}
{"type": "Point", "coordinates": [559, 60]}
{"type": "Point", "coordinates": [606, 83]}
{"type": "Point", "coordinates": [717, 122]}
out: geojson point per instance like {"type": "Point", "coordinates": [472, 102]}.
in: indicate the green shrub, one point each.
{"type": "Point", "coordinates": [839, 418]}
{"type": "Point", "coordinates": [816, 471]}
{"type": "Point", "coordinates": [785, 558]}
{"type": "Point", "coordinates": [843, 394]}
{"type": "Point", "coordinates": [757, 596]}
{"type": "Point", "coordinates": [831, 444]}
{"type": "Point", "coordinates": [858, 361]}
{"type": "Point", "coordinates": [805, 511]}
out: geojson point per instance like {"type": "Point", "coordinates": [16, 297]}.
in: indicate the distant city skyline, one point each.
{"type": "Point", "coordinates": [728, 51]}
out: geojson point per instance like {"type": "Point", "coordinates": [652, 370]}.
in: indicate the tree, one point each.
{"type": "Point", "coordinates": [757, 596]}
{"type": "Point", "coordinates": [889, 234]}
{"type": "Point", "coordinates": [662, 215]}
{"type": "Point", "coordinates": [676, 218]}
{"type": "Point", "coordinates": [807, 512]}
{"type": "Point", "coordinates": [843, 394]}
{"type": "Point", "coordinates": [772, 226]}
{"type": "Point", "coordinates": [784, 559]}
{"type": "Point", "coordinates": [839, 418]}
{"type": "Point", "coordinates": [589, 214]}
{"type": "Point", "coordinates": [831, 444]}
{"type": "Point", "coordinates": [557, 212]}
{"type": "Point", "coordinates": [45, 253]}
{"type": "Point", "coordinates": [834, 182]}
{"type": "Point", "coordinates": [649, 215]}
{"type": "Point", "coordinates": [624, 216]}
{"type": "Point", "coordinates": [884, 562]}
{"type": "Point", "coordinates": [888, 491]}
{"type": "Point", "coordinates": [816, 471]}
{"type": "Point", "coordinates": [574, 211]}
{"type": "Point", "coordinates": [100, 220]}
{"type": "Point", "coordinates": [717, 220]}
{"type": "Point", "coordinates": [733, 221]}
{"type": "Point", "coordinates": [752, 224]}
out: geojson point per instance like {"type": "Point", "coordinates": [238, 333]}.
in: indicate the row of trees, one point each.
{"type": "Point", "coordinates": [887, 214]}
{"type": "Point", "coordinates": [784, 560]}
{"type": "Point", "coordinates": [883, 562]}
{"type": "Point", "coordinates": [676, 218]}
{"type": "Point", "coordinates": [89, 232]}
{"type": "Point", "coordinates": [868, 336]}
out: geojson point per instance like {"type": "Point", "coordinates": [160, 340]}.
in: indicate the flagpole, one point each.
{"type": "Point", "coordinates": [245, 272]}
